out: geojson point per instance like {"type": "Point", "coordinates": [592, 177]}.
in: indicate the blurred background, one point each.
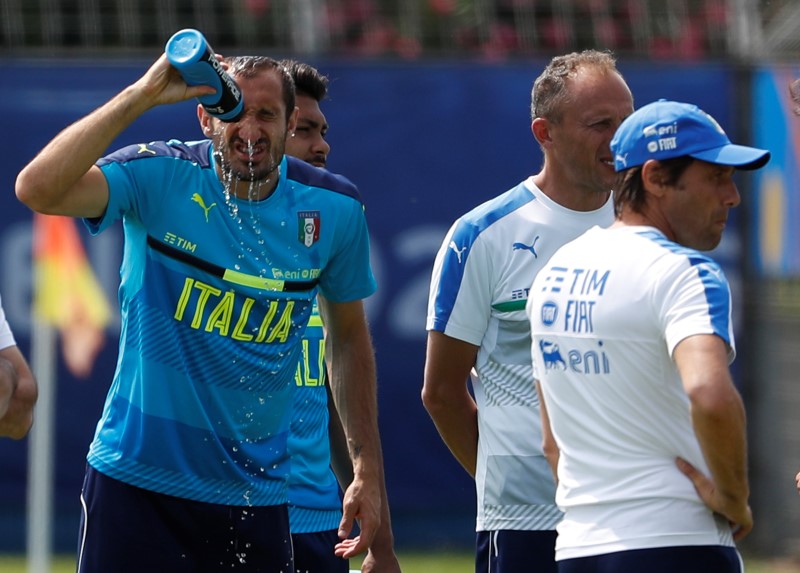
{"type": "Point", "coordinates": [429, 115]}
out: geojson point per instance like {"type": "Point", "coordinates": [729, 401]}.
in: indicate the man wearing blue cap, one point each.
{"type": "Point", "coordinates": [631, 342]}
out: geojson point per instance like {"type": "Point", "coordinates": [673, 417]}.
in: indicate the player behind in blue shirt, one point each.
{"type": "Point", "coordinates": [227, 245]}
{"type": "Point", "coordinates": [314, 508]}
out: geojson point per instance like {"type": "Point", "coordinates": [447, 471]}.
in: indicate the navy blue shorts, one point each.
{"type": "Point", "coordinates": [686, 559]}
{"type": "Point", "coordinates": [510, 551]}
{"type": "Point", "coordinates": [313, 553]}
{"type": "Point", "coordinates": [127, 529]}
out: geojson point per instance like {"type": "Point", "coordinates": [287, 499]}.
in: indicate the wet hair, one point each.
{"type": "Point", "coordinates": [252, 66]}
{"type": "Point", "coordinates": [629, 191]}
{"type": "Point", "coordinates": [307, 79]}
{"type": "Point", "coordinates": [550, 88]}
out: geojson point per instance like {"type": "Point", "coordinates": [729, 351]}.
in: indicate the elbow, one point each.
{"type": "Point", "coordinates": [551, 454]}
{"type": "Point", "coordinates": [550, 451]}
{"type": "Point", "coordinates": [24, 401]}
{"type": "Point", "coordinates": [426, 398]}
{"type": "Point", "coordinates": [433, 401]}
{"type": "Point", "coordinates": [26, 190]}
{"type": "Point", "coordinates": [22, 428]}
{"type": "Point", "coordinates": [32, 191]}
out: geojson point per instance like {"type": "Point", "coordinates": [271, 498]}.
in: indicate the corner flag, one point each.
{"type": "Point", "coordinates": [67, 294]}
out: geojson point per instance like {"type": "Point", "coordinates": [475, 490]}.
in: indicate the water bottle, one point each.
{"type": "Point", "coordinates": [189, 52]}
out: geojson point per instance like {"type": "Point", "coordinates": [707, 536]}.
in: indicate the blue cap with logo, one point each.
{"type": "Point", "coordinates": [669, 129]}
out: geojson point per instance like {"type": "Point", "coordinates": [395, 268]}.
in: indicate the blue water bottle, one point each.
{"type": "Point", "coordinates": [189, 52]}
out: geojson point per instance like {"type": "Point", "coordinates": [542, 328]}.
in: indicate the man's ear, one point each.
{"type": "Point", "coordinates": [205, 121]}
{"type": "Point", "coordinates": [540, 127]}
{"type": "Point", "coordinates": [291, 124]}
{"type": "Point", "coordinates": [653, 178]}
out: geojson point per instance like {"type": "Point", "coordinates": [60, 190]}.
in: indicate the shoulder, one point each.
{"type": "Point", "coordinates": [676, 254]}
{"type": "Point", "coordinates": [197, 152]}
{"type": "Point", "coordinates": [494, 213]}
{"type": "Point", "coordinates": [310, 176]}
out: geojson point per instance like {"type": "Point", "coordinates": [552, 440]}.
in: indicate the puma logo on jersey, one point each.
{"type": "Point", "coordinates": [199, 200]}
{"type": "Point", "coordinates": [457, 251]}
{"type": "Point", "coordinates": [524, 247]}
{"type": "Point", "coordinates": [144, 149]}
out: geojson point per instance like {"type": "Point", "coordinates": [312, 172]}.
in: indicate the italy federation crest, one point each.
{"type": "Point", "coordinates": [308, 227]}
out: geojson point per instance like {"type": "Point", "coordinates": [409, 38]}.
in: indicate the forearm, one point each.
{"type": "Point", "coordinates": [719, 422]}
{"type": "Point", "coordinates": [549, 445]}
{"type": "Point", "coordinates": [18, 417]}
{"type": "Point", "coordinates": [456, 419]}
{"type": "Point", "coordinates": [446, 397]}
{"type": "Point", "coordinates": [8, 385]}
{"type": "Point", "coordinates": [340, 457]}
{"type": "Point", "coordinates": [353, 386]}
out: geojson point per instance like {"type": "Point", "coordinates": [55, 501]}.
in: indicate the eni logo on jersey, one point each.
{"type": "Point", "coordinates": [200, 201]}
{"type": "Point", "coordinates": [204, 307]}
{"type": "Point", "coordinates": [589, 362]}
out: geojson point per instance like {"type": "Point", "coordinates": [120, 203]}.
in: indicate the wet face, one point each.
{"type": "Point", "coordinates": [696, 208]}
{"type": "Point", "coordinates": [251, 149]}
{"type": "Point", "coordinates": [580, 139]}
{"type": "Point", "coordinates": [308, 140]}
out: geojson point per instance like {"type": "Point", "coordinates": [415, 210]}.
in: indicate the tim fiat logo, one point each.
{"type": "Point", "coordinates": [308, 223]}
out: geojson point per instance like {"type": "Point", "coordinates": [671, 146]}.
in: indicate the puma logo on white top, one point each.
{"type": "Point", "coordinates": [457, 251]}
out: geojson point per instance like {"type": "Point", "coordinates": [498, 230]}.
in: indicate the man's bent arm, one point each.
{"type": "Point", "coordinates": [718, 418]}
{"type": "Point", "coordinates": [62, 179]}
{"type": "Point", "coordinates": [446, 396]}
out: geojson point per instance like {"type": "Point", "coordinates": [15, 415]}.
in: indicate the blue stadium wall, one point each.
{"type": "Point", "coordinates": [424, 142]}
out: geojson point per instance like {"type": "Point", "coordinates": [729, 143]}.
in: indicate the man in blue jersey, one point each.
{"type": "Point", "coordinates": [631, 340]}
{"type": "Point", "coordinates": [227, 244]}
{"type": "Point", "coordinates": [314, 508]}
{"type": "Point", "coordinates": [477, 328]}
{"type": "Point", "coordinates": [18, 390]}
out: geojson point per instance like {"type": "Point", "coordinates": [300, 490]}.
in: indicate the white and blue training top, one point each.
{"type": "Point", "coordinates": [480, 284]}
{"type": "Point", "coordinates": [606, 314]}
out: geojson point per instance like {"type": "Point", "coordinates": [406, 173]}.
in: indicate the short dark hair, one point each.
{"type": "Point", "coordinates": [629, 189]}
{"type": "Point", "coordinates": [251, 66]}
{"type": "Point", "coordinates": [307, 79]}
{"type": "Point", "coordinates": [550, 88]}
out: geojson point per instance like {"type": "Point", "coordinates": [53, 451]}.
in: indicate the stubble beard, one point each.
{"type": "Point", "coordinates": [249, 172]}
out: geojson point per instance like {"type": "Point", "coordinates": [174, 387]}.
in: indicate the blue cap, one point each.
{"type": "Point", "coordinates": [669, 129]}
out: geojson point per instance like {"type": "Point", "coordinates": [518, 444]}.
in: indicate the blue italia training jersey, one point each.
{"type": "Point", "coordinates": [215, 295]}
{"type": "Point", "coordinates": [314, 503]}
